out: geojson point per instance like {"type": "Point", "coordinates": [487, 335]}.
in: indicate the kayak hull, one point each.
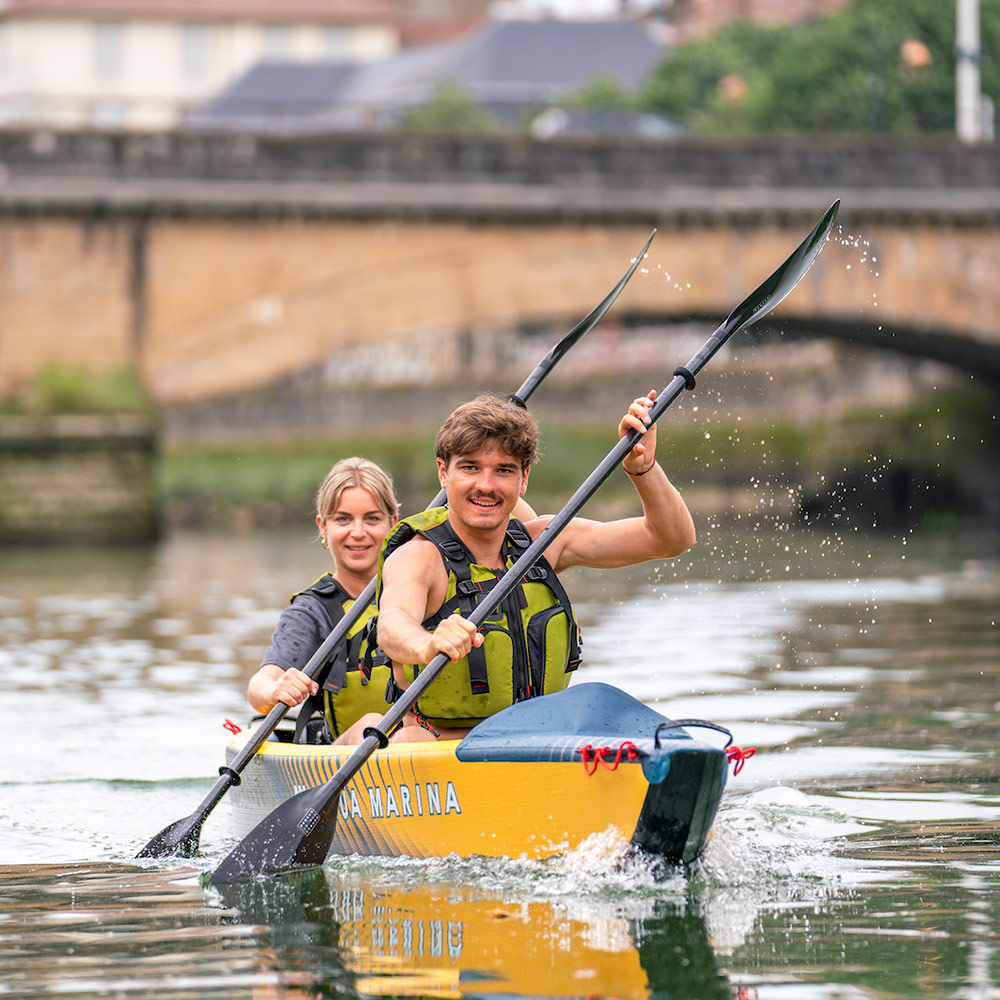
{"type": "Point", "coordinates": [552, 793]}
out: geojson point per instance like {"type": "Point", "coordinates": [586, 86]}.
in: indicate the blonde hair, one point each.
{"type": "Point", "coordinates": [359, 472]}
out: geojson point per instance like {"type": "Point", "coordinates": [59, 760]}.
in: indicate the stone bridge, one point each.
{"type": "Point", "coordinates": [218, 265]}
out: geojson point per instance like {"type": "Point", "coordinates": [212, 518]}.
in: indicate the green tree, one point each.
{"type": "Point", "coordinates": [59, 388]}
{"type": "Point", "coordinates": [602, 93]}
{"type": "Point", "coordinates": [845, 73]}
{"type": "Point", "coordinates": [451, 109]}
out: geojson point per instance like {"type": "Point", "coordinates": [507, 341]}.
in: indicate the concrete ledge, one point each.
{"type": "Point", "coordinates": [77, 479]}
{"type": "Point", "coordinates": [476, 201]}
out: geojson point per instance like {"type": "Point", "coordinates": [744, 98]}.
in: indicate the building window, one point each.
{"type": "Point", "coordinates": [196, 50]}
{"type": "Point", "coordinates": [110, 114]}
{"type": "Point", "coordinates": [277, 42]}
{"type": "Point", "coordinates": [337, 43]}
{"type": "Point", "coordinates": [108, 48]}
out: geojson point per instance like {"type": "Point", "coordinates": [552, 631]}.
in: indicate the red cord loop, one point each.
{"type": "Point", "coordinates": [592, 756]}
{"type": "Point", "coordinates": [739, 757]}
{"type": "Point", "coordinates": [231, 726]}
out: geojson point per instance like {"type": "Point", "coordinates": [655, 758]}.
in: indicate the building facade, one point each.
{"type": "Point", "coordinates": [139, 64]}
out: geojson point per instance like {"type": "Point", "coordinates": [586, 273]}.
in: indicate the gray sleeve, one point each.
{"type": "Point", "coordinates": [302, 627]}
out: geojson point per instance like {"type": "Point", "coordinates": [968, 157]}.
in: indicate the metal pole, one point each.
{"type": "Point", "coordinates": [968, 105]}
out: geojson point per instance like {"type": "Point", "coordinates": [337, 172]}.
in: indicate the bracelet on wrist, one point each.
{"type": "Point", "coordinates": [636, 475]}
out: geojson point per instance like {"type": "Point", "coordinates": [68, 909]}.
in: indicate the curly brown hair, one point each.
{"type": "Point", "coordinates": [489, 419]}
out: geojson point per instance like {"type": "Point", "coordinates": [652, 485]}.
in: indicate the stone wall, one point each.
{"type": "Point", "coordinates": [77, 479]}
{"type": "Point", "coordinates": [68, 287]}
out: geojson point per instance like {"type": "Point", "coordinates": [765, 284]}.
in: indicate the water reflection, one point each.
{"type": "Point", "coordinates": [855, 855]}
{"type": "Point", "coordinates": [100, 930]}
{"type": "Point", "coordinates": [114, 929]}
{"type": "Point", "coordinates": [453, 939]}
{"type": "Point", "coordinates": [930, 936]}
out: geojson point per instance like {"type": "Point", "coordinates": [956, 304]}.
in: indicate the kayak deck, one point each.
{"type": "Point", "coordinates": [533, 781]}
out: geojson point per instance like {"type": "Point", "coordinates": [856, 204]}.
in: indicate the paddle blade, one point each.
{"type": "Point", "coordinates": [298, 832]}
{"type": "Point", "coordinates": [583, 327]}
{"type": "Point", "coordinates": [595, 315]}
{"type": "Point", "coordinates": [763, 299]}
{"type": "Point", "coordinates": [180, 839]}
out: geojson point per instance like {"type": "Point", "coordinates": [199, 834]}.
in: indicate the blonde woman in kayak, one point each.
{"type": "Point", "coordinates": [356, 506]}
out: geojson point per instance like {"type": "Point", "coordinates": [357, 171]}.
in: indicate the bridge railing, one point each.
{"type": "Point", "coordinates": [862, 162]}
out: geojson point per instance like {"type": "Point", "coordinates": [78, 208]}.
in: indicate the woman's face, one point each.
{"type": "Point", "coordinates": [354, 532]}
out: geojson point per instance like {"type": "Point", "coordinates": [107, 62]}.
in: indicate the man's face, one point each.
{"type": "Point", "coordinates": [483, 487]}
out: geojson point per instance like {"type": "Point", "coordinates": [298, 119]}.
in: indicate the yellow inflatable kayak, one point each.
{"type": "Point", "coordinates": [532, 781]}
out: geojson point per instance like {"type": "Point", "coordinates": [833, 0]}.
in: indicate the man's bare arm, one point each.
{"type": "Point", "coordinates": [523, 511]}
{"type": "Point", "coordinates": [413, 584]}
{"type": "Point", "coordinates": [664, 530]}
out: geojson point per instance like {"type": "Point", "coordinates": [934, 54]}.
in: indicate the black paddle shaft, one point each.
{"type": "Point", "coordinates": [182, 836]}
{"type": "Point", "coordinates": [300, 830]}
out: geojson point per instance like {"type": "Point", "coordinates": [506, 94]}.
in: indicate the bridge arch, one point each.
{"type": "Point", "coordinates": [219, 265]}
{"type": "Point", "coordinates": [298, 295]}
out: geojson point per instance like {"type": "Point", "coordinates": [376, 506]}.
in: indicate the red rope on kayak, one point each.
{"type": "Point", "coordinates": [231, 726]}
{"type": "Point", "coordinates": [590, 762]}
{"type": "Point", "coordinates": [739, 757]}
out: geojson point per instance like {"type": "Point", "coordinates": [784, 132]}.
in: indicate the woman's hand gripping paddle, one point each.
{"type": "Point", "coordinates": [300, 830]}
{"type": "Point", "coordinates": [181, 837]}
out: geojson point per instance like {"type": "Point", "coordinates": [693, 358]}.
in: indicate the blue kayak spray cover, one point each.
{"type": "Point", "coordinates": [555, 726]}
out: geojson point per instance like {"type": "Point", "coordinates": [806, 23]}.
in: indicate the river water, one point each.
{"type": "Point", "coordinates": [857, 854]}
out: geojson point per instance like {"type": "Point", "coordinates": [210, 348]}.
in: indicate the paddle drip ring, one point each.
{"type": "Point", "coordinates": [383, 740]}
{"type": "Point", "coordinates": [686, 375]}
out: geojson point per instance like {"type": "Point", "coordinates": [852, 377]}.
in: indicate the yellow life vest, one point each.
{"type": "Point", "coordinates": [531, 642]}
{"type": "Point", "coordinates": [347, 692]}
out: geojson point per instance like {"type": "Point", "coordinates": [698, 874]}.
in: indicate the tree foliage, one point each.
{"type": "Point", "coordinates": [60, 388]}
{"type": "Point", "coordinates": [845, 73]}
{"type": "Point", "coordinates": [451, 109]}
{"type": "Point", "coordinates": [600, 93]}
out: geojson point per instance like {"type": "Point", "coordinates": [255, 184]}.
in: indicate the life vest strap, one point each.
{"type": "Point", "coordinates": [332, 675]}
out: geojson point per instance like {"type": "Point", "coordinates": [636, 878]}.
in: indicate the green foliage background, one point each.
{"type": "Point", "coordinates": [451, 109]}
{"type": "Point", "coordinates": [844, 73]}
{"type": "Point", "coordinates": [59, 388]}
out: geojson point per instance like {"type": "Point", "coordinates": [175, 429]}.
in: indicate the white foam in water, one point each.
{"type": "Point", "coordinates": [775, 837]}
{"type": "Point", "coordinates": [604, 867]}
{"type": "Point", "coordinates": [773, 847]}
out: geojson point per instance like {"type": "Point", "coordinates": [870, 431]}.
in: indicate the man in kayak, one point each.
{"type": "Point", "coordinates": [438, 565]}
